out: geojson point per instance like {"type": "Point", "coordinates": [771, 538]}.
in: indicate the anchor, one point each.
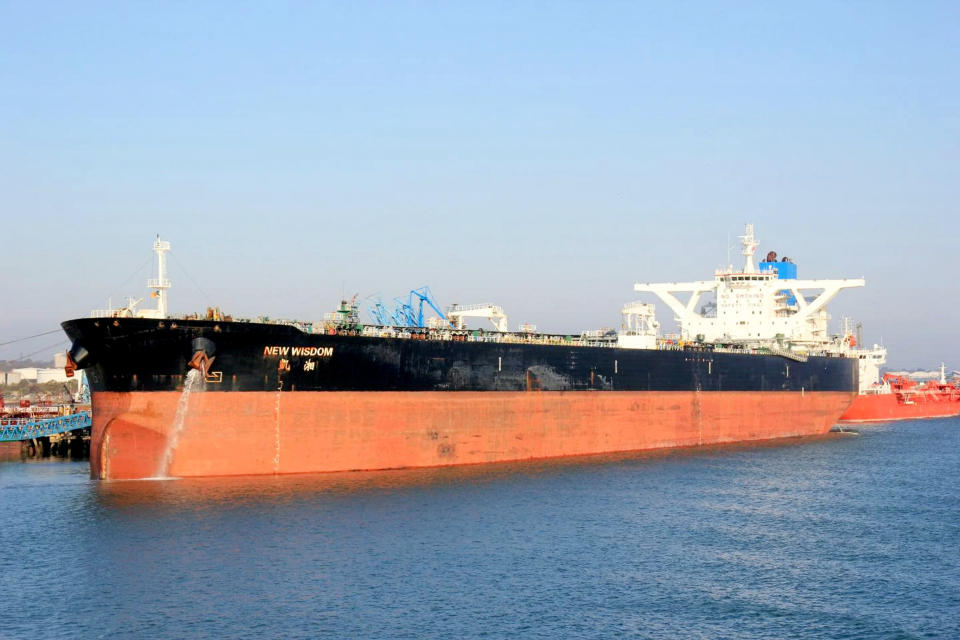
{"type": "Point", "coordinates": [71, 367]}
{"type": "Point", "coordinates": [203, 355]}
{"type": "Point", "coordinates": [77, 358]}
{"type": "Point", "coordinates": [201, 362]}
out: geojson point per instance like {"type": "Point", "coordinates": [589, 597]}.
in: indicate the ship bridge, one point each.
{"type": "Point", "coordinates": [753, 305]}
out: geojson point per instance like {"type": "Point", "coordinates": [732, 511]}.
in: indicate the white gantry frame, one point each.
{"type": "Point", "coordinates": [492, 312]}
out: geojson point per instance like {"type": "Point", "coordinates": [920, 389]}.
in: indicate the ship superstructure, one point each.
{"type": "Point", "coordinates": [870, 359]}
{"type": "Point", "coordinates": [765, 305]}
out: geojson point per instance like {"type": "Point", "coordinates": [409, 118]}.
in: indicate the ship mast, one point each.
{"type": "Point", "coordinates": [750, 245]}
{"type": "Point", "coordinates": [158, 289]}
{"type": "Point", "coordinates": [158, 286]}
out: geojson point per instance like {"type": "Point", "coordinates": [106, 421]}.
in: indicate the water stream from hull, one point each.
{"type": "Point", "coordinates": [194, 378]}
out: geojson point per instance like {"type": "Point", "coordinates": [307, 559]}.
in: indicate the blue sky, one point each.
{"type": "Point", "coordinates": [543, 156]}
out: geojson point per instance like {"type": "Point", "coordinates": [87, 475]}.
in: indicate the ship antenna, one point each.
{"type": "Point", "coordinates": [749, 246]}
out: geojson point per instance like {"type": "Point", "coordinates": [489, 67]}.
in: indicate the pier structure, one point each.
{"type": "Point", "coordinates": [62, 436]}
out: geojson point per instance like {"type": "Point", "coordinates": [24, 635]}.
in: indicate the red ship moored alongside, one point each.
{"type": "Point", "coordinates": [901, 398]}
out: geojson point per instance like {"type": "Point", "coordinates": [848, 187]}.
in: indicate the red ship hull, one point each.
{"type": "Point", "coordinates": [278, 433]}
{"type": "Point", "coordinates": [887, 407]}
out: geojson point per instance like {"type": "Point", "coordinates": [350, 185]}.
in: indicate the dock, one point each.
{"type": "Point", "coordinates": [63, 436]}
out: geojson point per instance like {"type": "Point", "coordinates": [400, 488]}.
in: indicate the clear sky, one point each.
{"type": "Point", "coordinates": [542, 156]}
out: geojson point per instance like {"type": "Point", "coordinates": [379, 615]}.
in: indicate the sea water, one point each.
{"type": "Point", "coordinates": [849, 536]}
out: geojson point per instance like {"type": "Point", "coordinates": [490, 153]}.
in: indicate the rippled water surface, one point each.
{"type": "Point", "coordinates": [839, 537]}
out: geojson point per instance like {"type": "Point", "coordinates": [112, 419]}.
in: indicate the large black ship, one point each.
{"type": "Point", "coordinates": [190, 396]}
{"type": "Point", "coordinates": [139, 354]}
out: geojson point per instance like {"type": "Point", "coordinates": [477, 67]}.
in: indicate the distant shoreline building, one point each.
{"type": "Point", "coordinates": [39, 375]}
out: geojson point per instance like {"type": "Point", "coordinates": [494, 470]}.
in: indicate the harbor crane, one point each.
{"type": "Point", "coordinates": [423, 295]}
{"type": "Point", "coordinates": [377, 312]}
{"type": "Point", "coordinates": [409, 312]}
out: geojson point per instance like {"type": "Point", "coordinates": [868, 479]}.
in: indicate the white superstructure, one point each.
{"type": "Point", "coordinates": [869, 360]}
{"type": "Point", "coordinates": [639, 329]}
{"type": "Point", "coordinates": [765, 306]}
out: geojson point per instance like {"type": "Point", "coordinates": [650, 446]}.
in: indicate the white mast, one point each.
{"type": "Point", "coordinates": [158, 286]}
{"type": "Point", "coordinates": [750, 245]}
{"type": "Point", "coordinates": [158, 289]}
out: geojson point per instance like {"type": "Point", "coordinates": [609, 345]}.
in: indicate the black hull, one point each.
{"type": "Point", "coordinates": [137, 354]}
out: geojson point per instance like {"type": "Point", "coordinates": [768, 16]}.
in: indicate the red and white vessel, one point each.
{"type": "Point", "coordinates": [896, 396]}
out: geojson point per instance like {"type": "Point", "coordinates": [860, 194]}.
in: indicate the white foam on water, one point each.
{"type": "Point", "coordinates": [193, 377]}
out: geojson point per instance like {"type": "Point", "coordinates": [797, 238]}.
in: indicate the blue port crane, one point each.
{"type": "Point", "coordinates": [377, 312]}
{"type": "Point", "coordinates": [423, 295]}
{"type": "Point", "coordinates": [409, 312]}
{"type": "Point", "coordinates": [403, 315]}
